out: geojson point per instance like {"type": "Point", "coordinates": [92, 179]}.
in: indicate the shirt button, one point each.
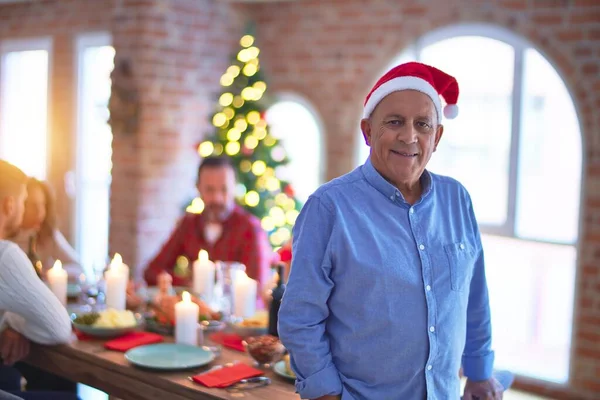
{"type": "Point", "coordinates": [392, 197]}
{"type": "Point", "coordinates": [412, 210]}
{"type": "Point", "coordinates": [428, 288]}
{"type": "Point", "coordinates": [422, 247]}
{"type": "Point", "coordinates": [462, 246]}
{"type": "Point", "coordinates": [429, 367]}
{"type": "Point", "coordinates": [432, 329]}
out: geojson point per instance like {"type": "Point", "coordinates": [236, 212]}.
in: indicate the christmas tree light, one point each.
{"type": "Point", "coordinates": [241, 132]}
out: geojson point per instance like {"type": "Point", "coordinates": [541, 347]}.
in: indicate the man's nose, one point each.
{"type": "Point", "coordinates": [407, 134]}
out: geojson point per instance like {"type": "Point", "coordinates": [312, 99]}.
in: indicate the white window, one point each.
{"type": "Point", "coordinates": [516, 146]}
{"type": "Point", "coordinates": [293, 121]}
{"type": "Point", "coordinates": [24, 81]}
{"type": "Point", "coordinates": [95, 62]}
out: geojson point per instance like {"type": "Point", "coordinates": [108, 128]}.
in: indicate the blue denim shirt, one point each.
{"type": "Point", "coordinates": [384, 299]}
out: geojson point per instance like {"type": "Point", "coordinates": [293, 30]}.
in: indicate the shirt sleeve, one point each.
{"type": "Point", "coordinates": [478, 357]}
{"type": "Point", "coordinates": [31, 308]}
{"type": "Point", "coordinates": [304, 310]}
{"type": "Point", "coordinates": [256, 253]}
{"type": "Point", "coordinates": [167, 256]}
{"type": "Point", "coordinates": [64, 252]}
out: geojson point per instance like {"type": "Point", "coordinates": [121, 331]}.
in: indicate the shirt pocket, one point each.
{"type": "Point", "coordinates": [461, 258]}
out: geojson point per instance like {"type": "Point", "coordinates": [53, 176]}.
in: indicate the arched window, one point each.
{"type": "Point", "coordinates": [295, 123]}
{"type": "Point", "coordinates": [516, 146]}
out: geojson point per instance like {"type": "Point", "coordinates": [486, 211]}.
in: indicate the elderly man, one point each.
{"type": "Point", "coordinates": [387, 293]}
{"type": "Point", "coordinates": [225, 230]}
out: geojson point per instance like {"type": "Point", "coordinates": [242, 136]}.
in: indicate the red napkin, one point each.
{"type": "Point", "coordinates": [227, 376]}
{"type": "Point", "coordinates": [82, 336]}
{"type": "Point", "coordinates": [229, 340]}
{"type": "Point", "coordinates": [133, 339]}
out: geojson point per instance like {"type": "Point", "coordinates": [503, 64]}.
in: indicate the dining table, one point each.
{"type": "Point", "coordinates": [86, 360]}
{"type": "Point", "coordinates": [90, 363]}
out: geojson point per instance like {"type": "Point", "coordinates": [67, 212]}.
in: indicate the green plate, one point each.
{"type": "Point", "coordinates": [279, 369]}
{"type": "Point", "coordinates": [169, 356]}
{"type": "Point", "coordinates": [106, 333]}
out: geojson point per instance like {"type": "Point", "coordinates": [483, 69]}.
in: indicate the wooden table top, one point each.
{"type": "Point", "coordinates": [88, 362]}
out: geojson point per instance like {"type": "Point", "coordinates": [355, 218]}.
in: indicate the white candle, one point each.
{"type": "Point", "coordinates": [116, 286]}
{"type": "Point", "coordinates": [186, 321]}
{"type": "Point", "coordinates": [57, 280]}
{"type": "Point", "coordinates": [204, 276]}
{"type": "Point", "coordinates": [244, 295]}
{"type": "Point", "coordinates": [117, 261]}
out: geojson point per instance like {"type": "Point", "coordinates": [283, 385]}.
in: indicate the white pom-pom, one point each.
{"type": "Point", "coordinates": [451, 111]}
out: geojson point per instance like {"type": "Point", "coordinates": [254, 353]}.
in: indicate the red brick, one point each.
{"type": "Point", "coordinates": [585, 17]}
{"type": "Point", "coordinates": [547, 19]}
{"type": "Point", "coordinates": [550, 3]}
{"type": "Point", "coordinates": [414, 11]}
{"type": "Point", "coordinates": [594, 34]}
{"type": "Point", "coordinates": [514, 4]}
{"type": "Point", "coordinates": [571, 34]}
{"type": "Point", "coordinates": [591, 69]}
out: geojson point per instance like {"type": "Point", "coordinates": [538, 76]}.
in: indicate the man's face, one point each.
{"type": "Point", "coordinates": [13, 208]}
{"type": "Point", "coordinates": [217, 189]}
{"type": "Point", "coordinates": [403, 134]}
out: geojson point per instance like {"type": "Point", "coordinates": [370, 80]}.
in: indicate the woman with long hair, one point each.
{"type": "Point", "coordinates": [39, 236]}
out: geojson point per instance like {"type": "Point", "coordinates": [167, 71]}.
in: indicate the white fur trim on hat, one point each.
{"type": "Point", "coordinates": [403, 83]}
{"type": "Point", "coordinates": [451, 111]}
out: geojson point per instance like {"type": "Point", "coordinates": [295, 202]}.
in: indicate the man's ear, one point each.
{"type": "Point", "coordinates": [7, 204]}
{"type": "Point", "coordinates": [438, 135]}
{"type": "Point", "coordinates": [365, 127]}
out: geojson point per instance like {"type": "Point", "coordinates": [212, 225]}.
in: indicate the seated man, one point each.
{"type": "Point", "coordinates": [28, 309]}
{"type": "Point", "coordinates": [225, 230]}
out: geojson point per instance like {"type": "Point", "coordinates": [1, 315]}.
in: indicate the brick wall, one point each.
{"type": "Point", "coordinates": [330, 52]}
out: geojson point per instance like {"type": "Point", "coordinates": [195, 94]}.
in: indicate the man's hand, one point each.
{"type": "Point", "coordinates": [13, 346]}
{"type": "Point", "coordinates": [483, 390]}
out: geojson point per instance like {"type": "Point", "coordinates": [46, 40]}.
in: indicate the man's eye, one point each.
{"type": "Point", "coordinates": [423, 124]}
{"type": "Point", "coordinates": [394, 122]}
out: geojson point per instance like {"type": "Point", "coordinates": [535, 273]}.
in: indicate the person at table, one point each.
{"type": "Point", "coordinates": [39, 237]}
{"type": "Point", "coordinates": [387, 293]}
{"type": "Point", "coordinates": [224, 229]}
{"type": "Point", "coordinates": [29, 311]}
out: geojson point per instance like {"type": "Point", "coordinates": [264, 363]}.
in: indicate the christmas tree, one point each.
{"type": "Point", "coordinates": [241, 132]}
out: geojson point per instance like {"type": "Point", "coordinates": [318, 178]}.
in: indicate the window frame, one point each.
{"type": "Point", "coordinates": [283, 96]}
{"type": "Point", "coordinates": [44, 43]}
{"type": "Point", "coordinates": [82, 42]}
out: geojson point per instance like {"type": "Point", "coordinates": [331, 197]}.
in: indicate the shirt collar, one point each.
{"type": "Point", "coordinates": [387, 189]}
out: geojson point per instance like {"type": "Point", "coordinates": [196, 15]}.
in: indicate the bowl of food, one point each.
{"type": "Point", "coordinates": [265, 350]}
{"type": "Point", "coordinates": [256, 325]}
{"type": "Point", "coordinates": [106, 324]}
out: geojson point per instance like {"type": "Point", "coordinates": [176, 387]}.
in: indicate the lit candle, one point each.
{"type": "Point", "coordinates": [244, 295]}
{"type": "Point", "coordinates": [204, 276]}
{"type": "Point", "coordinates": [117, 261]}
{"type": "Point", "coordinates": [186, 321]}
{"type": "Point", "coordinates": [116, 278]}
{"type": "Point", "coordinates": [57, 280]}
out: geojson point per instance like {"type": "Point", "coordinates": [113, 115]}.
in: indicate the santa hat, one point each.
{"type": "Point", "coordinates": [421, 77]}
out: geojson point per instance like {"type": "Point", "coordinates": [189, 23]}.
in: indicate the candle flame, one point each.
{"type": "Point", "coordinates": [57, 265]}
{"type": "Point", "coordinates": [118, 259]}
{"type": "Point", "coordinates": [203, 256]}
{"type": "Point", "coordinates": [185, 297]}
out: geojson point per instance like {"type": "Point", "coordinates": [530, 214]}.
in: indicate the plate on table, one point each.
{"type": "Point", "coordinates": [256, 325]}
{"type": "Point", "coordinates": [169, 356]}
{"type": "Point", "coordinates": [113, 323]}
{"type": "Point", "coordinates": [279, 369]}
